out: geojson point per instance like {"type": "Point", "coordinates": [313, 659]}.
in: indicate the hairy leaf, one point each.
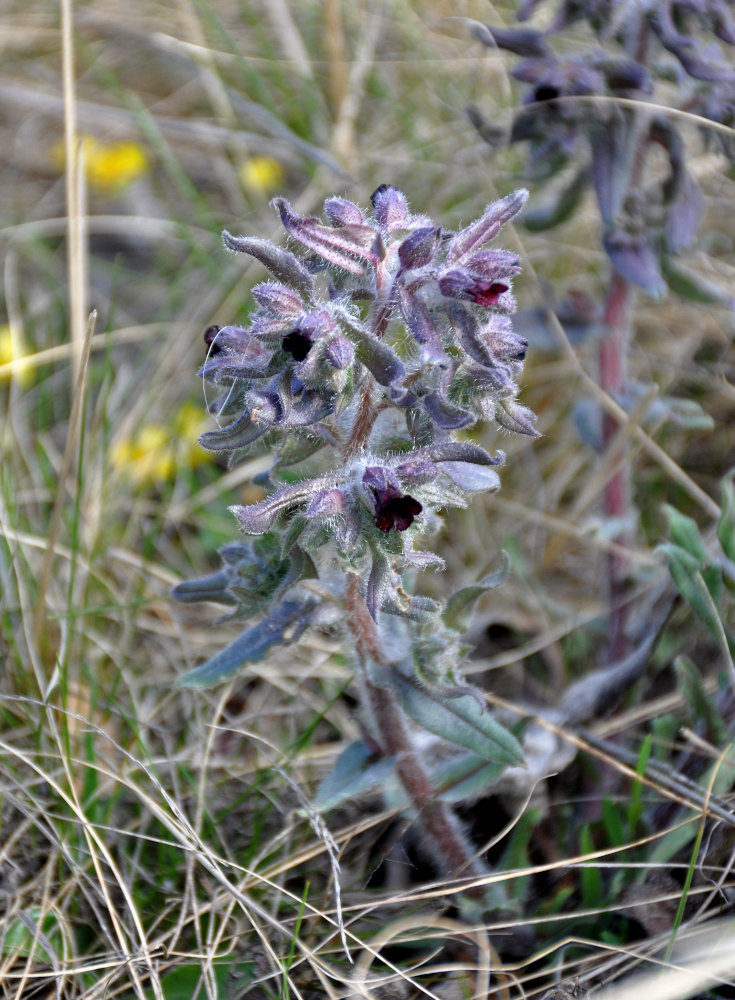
{"type": "Point", "coordinates": [459, 720]}
{"type": "Point", "coordinates": [457, 614]}
{"type": "Point", "coordinates": [284, 625]}
{"type": "Point", "coordinates": [353, 774]}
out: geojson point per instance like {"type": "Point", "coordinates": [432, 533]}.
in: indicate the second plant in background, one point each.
{"type": "Point", "coordinates": [595, 116]}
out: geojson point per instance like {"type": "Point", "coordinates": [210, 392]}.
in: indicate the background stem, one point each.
{"type": "Point", "coordinates": [613, 352]}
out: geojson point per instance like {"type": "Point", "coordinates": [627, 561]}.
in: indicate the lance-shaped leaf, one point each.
{"type": "Point", "coordinates": [634, 259]}
{"type": "Point", "coordinates": [420, 609]}
{"type": "Point", "coordinates": [207, 588]}
{"type": "Point", "coordinates": [458, 451]}
{"type": "Point", "coordinates": [340, 246]}
{"type": "Point", "coordinates": [689, 577]}
{"type": "Point", "coordinates": [464, 777]}
{"type": "Point", "coordinates": [284, 625]}
{"type": "Point", "coordinates": [459, 608]}
{"type": "Point", "coordinates": [355, 773]}
{"type": "Point", "coordinates": [486, 227]}
{"type": "Point", "coordinates": [383, 363]}
{"type": "Point", "coordinates": [459, 720]}
{"type": "Point", "coordinates": [422, 325]}
{"type": "Point", "coordinates": [521, 41]}
{"type": "Point", "coordinates": [515, 417]}
{"type": "Point", "coordinates": [257, 518]}
{"type": "Point", "coordinates": [685, 532]}
{"type": "Point", "coordinates": [281, 263]}
{"type": "Point", "coordinates": [239, 434]}
{"type": "Point", "coordinates": [614, 145]}
{"type": "Point", "coordinates": [469, 335]}
{"type": "Point", "coordinates": [692, 286]}
{"type": "Point", "coordinates": [698, 700]}
{"type": "Point", "coordinates": [342, 212]}
{"type": "Point", "coordinates": [472, 478]}
{"type": "Point", "coordinates": [684, 215]}
{"type": "Point", "coordinates": [726, 522]}
{"type": "Point", "coordinates": [418, 249]}
{"type": "Point", "coordinates": [561, 207]}
{"type": "Point", "coordinates": [445, 414]}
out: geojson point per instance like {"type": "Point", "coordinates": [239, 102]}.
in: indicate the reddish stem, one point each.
{"type": "Point", "coordinates": [613, 353]}
{"type": "Point", "coordinates": [451, 849]}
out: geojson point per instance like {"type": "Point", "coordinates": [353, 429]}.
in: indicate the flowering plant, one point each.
{"type": "Point", "coordinates": [600, 116]}
{"type": "Point", "coordinates": [375, 353]}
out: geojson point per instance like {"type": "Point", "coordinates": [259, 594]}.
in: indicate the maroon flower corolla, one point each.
{"type": "Point", "coordinates": [394, 509]}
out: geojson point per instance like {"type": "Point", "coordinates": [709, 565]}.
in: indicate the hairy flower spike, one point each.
{"type": "Point", "coordinates": [325, 354]}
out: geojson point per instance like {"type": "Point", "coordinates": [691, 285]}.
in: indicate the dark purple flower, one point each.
{"type": "Point", "coordinates": [394, 509]}
{"type": "Point", "coordinates": [297, 344]}
{"type": "Point", "coordinates": [210, 339]}
{"type": "Point", "coordinates": [460, 284]}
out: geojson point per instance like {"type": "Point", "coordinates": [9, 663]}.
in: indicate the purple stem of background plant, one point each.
{"type": "Point", "coordinates": [613, 353]}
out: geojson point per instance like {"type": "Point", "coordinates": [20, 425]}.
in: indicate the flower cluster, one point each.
{"type": "Point", "coordinates": [368, 356]}
{"type": "Point", "coordinates": [387, 338]}
{"type": "Point", "coordinates": [573, 102]}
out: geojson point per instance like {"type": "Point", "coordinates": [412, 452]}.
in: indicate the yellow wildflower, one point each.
{"type": "Point", "coordinates": [148, 457]}
{"type": "Point", "coordinates": [109, 166]}
{"type": "Point", "coordinates": [262, 175]}
{"type": "Point", "coordinates": [189, 422]}
{"type": "Point", "coordinates": [12, 352]}
{"type": "Point", "coordinates": [153, 455]}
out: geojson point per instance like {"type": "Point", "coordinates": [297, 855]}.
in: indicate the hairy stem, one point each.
{"type": "Point", "coordinates": [452, 850]}
{"type": "Point", "coordinates": [613, 354]}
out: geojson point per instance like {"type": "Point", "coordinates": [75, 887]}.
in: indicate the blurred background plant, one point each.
{"type": "Point", "coordinates": [160, 843]}
{"type": "Point", "coordinates": [597, 111]}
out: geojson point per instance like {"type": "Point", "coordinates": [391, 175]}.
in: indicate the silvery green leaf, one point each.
{"type": "Point", "coordinates": [457, 614]}
{"type": "Point", "coordinates": [687, 574]}
{"type": "Point", "coordinates": [352, 775]}
{"type": "Point", "coordinates": [685, 532]}
{"type": "Point", "coordinates": [692, 286]}
{"type": "Point", "coordinates": [208, 588]}
{"type": "Point", "coordinates": [377, 581]}
{"type": "Point", "coordinates": [282, 264]}
{"type": "Point", "coordinates": [561, 207]}
{"type": "Point", "coordinates": [383, 363]}
{"type": "Point", "coordinates": [458, 720]}
{"type": "Point", "coordinates": [515, 417]}
{"type": "Point", "coordinates": [422, 326]}
{"type": "Point", "coordinates": [726, 523]}
{"type": "Point", "coordinates": [284, 625]}
{"type": "Point", "coordinates": [257, 518]}
{"type": "Point", "coordinates": [239, 434]}
{"type": "Point", "coordinates": [445, 414]}
{"type": "Point", "coordinates": [459, 451]}
{"type": "Point", "coordinates": [463, 778]}
{"type": "Point", "coordinates": [473, 478]}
